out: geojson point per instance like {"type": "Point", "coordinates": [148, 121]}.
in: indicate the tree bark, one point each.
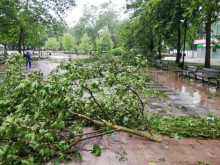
{"type": "Point", "coordinates": [5, 46]}
{"type": "Point", "coordinates": [152, 45]}
{"type": "Point", "coordinates": [178, 56]}
{"type": "Point", "coordinates": [159, 49]}
{"type": "Point", "coordinates": [119, 128]}
{"type": "Point", "coordinates": [20, 40]}
{"type": "Point", "coordinates": [208, 41]}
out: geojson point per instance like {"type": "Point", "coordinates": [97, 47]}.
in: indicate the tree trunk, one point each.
{"type": "Point", "coordinates": [20, 40]}
{"type": "Point", "coordinates": [152, 45]}
{"type": "Point", "coordinates": [5, 46]}
{"type": "Point", "coordinates": [159, 49]}
{"type": "Point", "coordinates": [208, 41]}
{"type": "Point", "coordinates": [178, 56]}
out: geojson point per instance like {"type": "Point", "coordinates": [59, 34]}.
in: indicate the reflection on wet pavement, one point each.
{"type": "Point", "coordinates": [200, 93]}
{"type": "Point", "coordinates": [47, 65]}
{"type": "Point", "coordinates": [140, 151]}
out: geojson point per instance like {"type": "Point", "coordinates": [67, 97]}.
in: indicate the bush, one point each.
{"type": "Point", "coordinates": [117, 52]}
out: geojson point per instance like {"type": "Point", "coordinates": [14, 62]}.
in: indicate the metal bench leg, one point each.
{"type": "Point", "coordinates": [218, 84]}
{"type": "Point", "coordinates": [209, 82]}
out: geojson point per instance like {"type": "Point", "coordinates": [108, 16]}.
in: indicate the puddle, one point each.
{"type": "Point", "coordinates": [200, 92]}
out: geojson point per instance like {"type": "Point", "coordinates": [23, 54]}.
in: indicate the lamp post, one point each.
{"type": "Point", "coordinates": [39, 42]}
{"type": "Point", "coordinates": [184, 41]}
{"type": "Point", "coordinates": [23, 45]}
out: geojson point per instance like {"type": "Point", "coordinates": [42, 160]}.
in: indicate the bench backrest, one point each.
{"type": "Point", "coordinates": [211, 71]}
{"type": "Point", "coordinates": [151, 60]}
{"type": "Point", "coordinates": [165, 63]}
{"type": "Point", "coordinates": [158, 61]}
{"type": "Point", "coordinates": [192, 68]}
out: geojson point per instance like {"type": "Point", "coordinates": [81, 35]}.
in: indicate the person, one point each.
{"type": "Point", "coordinates": [28, 58]}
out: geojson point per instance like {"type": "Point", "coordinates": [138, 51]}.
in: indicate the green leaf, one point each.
{"type": "Point", "coordinates": [152, 163]}
{"type": "Point", "coordinates": [96, 150]}
{"type": "Point", "coordinates": [162, 159]}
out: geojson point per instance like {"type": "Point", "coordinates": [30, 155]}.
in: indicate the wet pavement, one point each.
{"type": "Point", "coordinates": [140, 151]}
{"type": "Point", "coordinates": [46, 65]}
{"type": "Point", "coordinates": [191, 98]}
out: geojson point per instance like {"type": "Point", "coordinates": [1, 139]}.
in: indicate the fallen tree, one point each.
{"type": "Point", "coordinates": [44, 118]}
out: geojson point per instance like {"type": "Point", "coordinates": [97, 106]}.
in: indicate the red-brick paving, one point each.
{"type": "Point", "coordinates": [141, 151]}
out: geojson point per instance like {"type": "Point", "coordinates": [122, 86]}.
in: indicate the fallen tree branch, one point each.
{"type": "Point", "coordinates": [118, 128]}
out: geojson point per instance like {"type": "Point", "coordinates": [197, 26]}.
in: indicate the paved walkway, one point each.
{"type": "Point", "coordinates": [143, 152]}
{"type": "Point", "coordinates": [195, 96]}
{"type": "Point", "coordinates": [196, 60]}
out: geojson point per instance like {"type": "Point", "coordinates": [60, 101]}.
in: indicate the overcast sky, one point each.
{"type": "Point", "coordinates": [74, 15]}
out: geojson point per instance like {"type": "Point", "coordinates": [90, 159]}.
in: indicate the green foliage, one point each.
{"type": "Point", "coordinates": [94, 19]}
{"type": "Point", "coordinates": [104, 41]}
{"type": "Point", "coordinates": [117, 52]}
{"type": "Point", "coordinates": [97, 150]}
{"type": "Point", "coordinates": [42, 119]}
{"type": "Point", "coordinates": [26, 18]}
{"type": "Point", "coordinates": [36, 111]}
{"type": "Point", "coordinates": [68, 42]}
{"type": "Point", "coordinates": [201, 163]}
{"type": "Point", "coordinates": [185, 126]}
{"type": "Point", "coordinates": [85, 43]}
{"type": "Point", "coordinates": [52, 43]}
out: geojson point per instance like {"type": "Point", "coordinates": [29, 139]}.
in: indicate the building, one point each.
{"type": "Point", "coordinates": [215, 46]}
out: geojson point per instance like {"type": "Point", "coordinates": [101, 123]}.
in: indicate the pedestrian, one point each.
{"type": "Point", "coordinates": [28, 58]}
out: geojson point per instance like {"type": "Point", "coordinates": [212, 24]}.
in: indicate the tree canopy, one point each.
{"type": "Point", "coordinates": [85, 43]}
{"type": "Point", "coordinates": [52, 43]}
{"type": "Point", "coordinates": [104, 41]}
{"type": "Point", "coordinates": [23, 15]}
{"type": "Point", "coordinates": [69, 42]}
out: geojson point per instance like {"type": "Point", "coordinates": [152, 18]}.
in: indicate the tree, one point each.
{"type": "Point", "coordinates": [69, 42]}
{"type": "Point", "coordinates": [94, 19]}
{"type": "Point", "coordinates": [52, 43]}
{"type": "Point", "coordinates": [209, 12]}
{"type": "Point", "coordinates": [104, 42]}
{"type": "Point", "coordinates": [48, 116]}
{"type": "Point", "coordinates": [46, 13]}
{"type": "Point", "coordinates": [85, 43]}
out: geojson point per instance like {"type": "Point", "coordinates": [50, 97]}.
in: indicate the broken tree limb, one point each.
{"type": "Point", "coordinates": [119, 128]}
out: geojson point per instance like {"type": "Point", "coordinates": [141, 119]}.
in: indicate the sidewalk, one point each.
{"type": "Point", "coordinates": [196, 60]}
{"type": "Point", "coordinates": [140, 151]}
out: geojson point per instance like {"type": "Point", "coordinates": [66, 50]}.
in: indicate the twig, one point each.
{"type": "Point", "coordinates": [100, 107]}
{"type": "Point", "coordinates": [140, 100]}
{"type": "Point", "coordinates": [94, 136]}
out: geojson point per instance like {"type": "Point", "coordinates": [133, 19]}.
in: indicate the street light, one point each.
{"type": "Point", "coordinates": [39, 42]}
{"type": "Point", "coordinates": [23, 44]}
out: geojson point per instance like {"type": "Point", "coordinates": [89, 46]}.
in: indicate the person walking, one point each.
{"type": "Point", "coordinates": [28, 58]}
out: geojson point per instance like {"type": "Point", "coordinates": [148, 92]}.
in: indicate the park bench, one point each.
{"type": "Point", "coordinates": [218, 83]}
{"type": "Point", "coordinates": [158, 63]}
{"type": "Point", "coordinates": [208, 75]}
{"type": "Point", "coordinates": [164, 65]}
{"type": "Point", "coordinates": [35, 56]}
{"type": "Point", "coordinates": [151, 61]}
{"type": "Point", "coordinates": [2, 59]}
{"type": "Point", "coordinates": [189, 70]}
